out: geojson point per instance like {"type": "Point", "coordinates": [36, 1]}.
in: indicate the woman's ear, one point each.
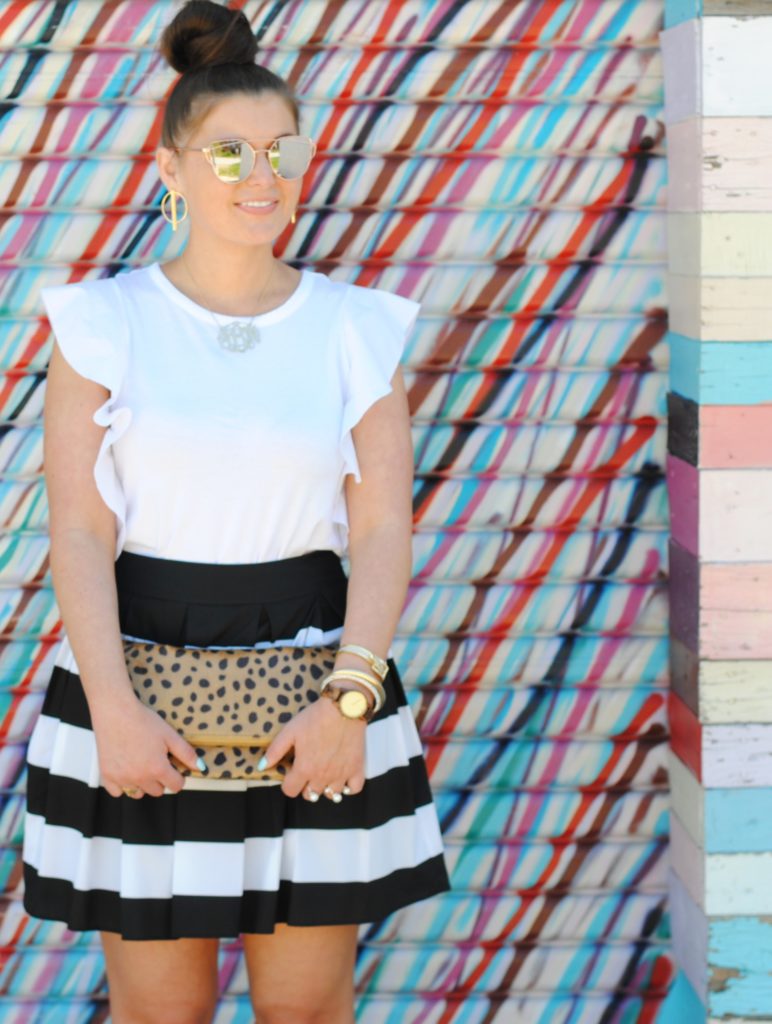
{"type": "Point", "coordinates": [166, 162]}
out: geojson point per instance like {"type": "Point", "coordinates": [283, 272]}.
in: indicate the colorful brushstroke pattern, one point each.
{"type": "Point", "coordinates": [502, 162]}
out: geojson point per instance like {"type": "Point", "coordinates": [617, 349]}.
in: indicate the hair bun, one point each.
{"type": "Point", "coordinates": [203, 34]}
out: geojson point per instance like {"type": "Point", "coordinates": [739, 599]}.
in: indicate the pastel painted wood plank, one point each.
{"type": "Point", "coordinates": [735, 62]}
{"type": "Point", "coordinates": [721, 373]}
{"type": "Point", "coordinates": [736, 755]}
{"type": "Point", "coordinates": [730, 436]}
{"type": "Point", "coordinates": [735, 618]}
{"type": "Point", "coordinates": [738, 968]}
{"type": "Point", "coordinates": [738, 884]}
{"type": "Point", "coordinates": [720, 244]}
{"type": "Point", "coordinates": [735, 163]}
{"type": "Point", "coordinates": [684, 669]}
{"type": "Point", "coordinates": [736, 587]}
{"type": "Point", "coordinates": [687, 860]}
{"type": "Point", "coordinates": [690, 935]}
{"type": "Point", "coordinates": [681, 61]}
{"type": "Point", "coordinates": [719, 164]}
{"type": "Point", "coordinates": [720, 308]}
{"type": "Point", "coordinates": [682, 424]}
{"type": "Point", "coordinates": [735, 692]}
{"type": "Point", "coordinates": [734, 526]}
{"type": "Point", "coordinates": [686, 738]}
{"type": "Point", "coordinates": [684, 595]}
{"type": "Point", "coordinates": [736, 821]}
{"type": "Point", "coordinates": [683, 497]}
{"type": "Point", "coordinates": [726, 634]}
{"type": "Point", "coordinates": [687, 797]}
{"type": "Point", "coordinates": [737, 8]}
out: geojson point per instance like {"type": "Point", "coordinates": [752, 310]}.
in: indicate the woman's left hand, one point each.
{"type": "Point", "coordinates": [329, 751]}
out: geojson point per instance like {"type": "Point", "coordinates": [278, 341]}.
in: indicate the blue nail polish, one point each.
{"type": "Point", "coordinates": [201, 765]}
{"type": "Point", "coordinates": [262, 764]}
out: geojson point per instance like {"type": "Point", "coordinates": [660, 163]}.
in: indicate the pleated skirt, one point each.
{"type": "Point", "coordinates": [222, 857]}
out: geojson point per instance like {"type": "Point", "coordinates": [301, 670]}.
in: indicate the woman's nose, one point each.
{"type": "Point", "coordinates": [262, 170]}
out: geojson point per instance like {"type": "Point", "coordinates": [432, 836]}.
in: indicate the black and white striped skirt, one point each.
{"type": "Point", "coordinates": [222, 857]}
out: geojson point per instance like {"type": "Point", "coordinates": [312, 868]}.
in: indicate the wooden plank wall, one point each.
{"type": "Point", "coordinates": [719, 126]}
{"type": "Point", "coordinates": [502, 161]}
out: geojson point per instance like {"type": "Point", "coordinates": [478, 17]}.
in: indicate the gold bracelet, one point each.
{"type": "Point", "coordinates": [378, 665]}
{"type": "Point", "coordinates": [368, 681]}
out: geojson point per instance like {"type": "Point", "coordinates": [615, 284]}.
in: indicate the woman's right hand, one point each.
{"type": "Point", "coordinates": [133, 744]}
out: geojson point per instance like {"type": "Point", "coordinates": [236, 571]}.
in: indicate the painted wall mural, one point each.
{"type": "Point", "coordinates": [502, 162]}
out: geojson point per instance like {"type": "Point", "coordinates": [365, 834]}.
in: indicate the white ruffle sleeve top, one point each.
{"type": "Point", "coordinates": [229, 457]}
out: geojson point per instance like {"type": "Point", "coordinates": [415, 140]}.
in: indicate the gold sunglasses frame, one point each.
{"type": "Point", "coordinates": [207, 151]}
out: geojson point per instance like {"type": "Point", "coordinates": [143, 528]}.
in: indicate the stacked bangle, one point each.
{"type": "Point", "coordinates": [378, 665]}
{"type": "Point", "coordinates": [373, 685]}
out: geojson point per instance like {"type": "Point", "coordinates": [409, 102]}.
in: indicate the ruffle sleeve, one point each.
{"type": "Point", "coordinates": [90, 330]}
{"type": "Point", "coordinates": [375, 325]}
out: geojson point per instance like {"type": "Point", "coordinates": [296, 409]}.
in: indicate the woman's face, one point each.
{"type": "Point", "coordinates": [216, 207]}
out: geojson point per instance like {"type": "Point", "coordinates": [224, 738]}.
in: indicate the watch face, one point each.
{"type": "Point", "coordinates": [353, 703]}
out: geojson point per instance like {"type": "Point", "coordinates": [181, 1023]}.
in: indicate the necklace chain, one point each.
{"type": "Point", "coordinates": [234, 336]}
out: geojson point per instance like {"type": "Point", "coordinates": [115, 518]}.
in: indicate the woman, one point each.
{"type": "Point", "coordinates": [257, 431]}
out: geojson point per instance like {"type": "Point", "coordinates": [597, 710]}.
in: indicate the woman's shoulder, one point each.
{"type": "Point", "coordinates": [376, 313]}
{"type": "Point", "coordinates": [376, 307]}
{"type": "Point", "coordinates": [91, 307]}
{"type": "Point", "coordinates": [93, 293]}
{"type": "Point", "coordinates": [87, 322]}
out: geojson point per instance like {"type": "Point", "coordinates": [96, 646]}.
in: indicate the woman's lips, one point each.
{"type": "Point", "coordinates": [259, 211]}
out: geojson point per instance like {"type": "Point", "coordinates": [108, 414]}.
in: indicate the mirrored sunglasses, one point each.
{"type": "Point", "coordinates": [232, 160]}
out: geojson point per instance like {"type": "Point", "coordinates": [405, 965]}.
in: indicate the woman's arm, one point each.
{"type": "Point", "coordinates": [380, 513]}
{"type": "Point", "coordinates": [329, 749]}
{"type": "Point", "coordinates": [132, 740]}
{"type": "Point", "coordinates": [82, 532]}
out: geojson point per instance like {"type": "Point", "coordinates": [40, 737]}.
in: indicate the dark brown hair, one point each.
{"type": "Point", "coordinates": [214, 50]}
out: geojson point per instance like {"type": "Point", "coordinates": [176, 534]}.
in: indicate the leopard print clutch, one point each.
{"type": "Point", "coordinates": [228, 704]}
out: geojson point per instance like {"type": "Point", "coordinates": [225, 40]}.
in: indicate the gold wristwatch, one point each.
{"type": "Point", "coordinates": [351, 702]}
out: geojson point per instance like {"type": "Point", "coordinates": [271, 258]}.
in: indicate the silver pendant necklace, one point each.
{"type": "Point", "coordinates": [234, 336]}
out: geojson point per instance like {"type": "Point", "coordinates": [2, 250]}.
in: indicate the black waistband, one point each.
{"type": "Point", "coordinates": [205, 603]}
{"type": "Point", "coordinates": [229, 583]}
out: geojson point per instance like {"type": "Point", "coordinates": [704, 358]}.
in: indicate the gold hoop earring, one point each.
{"type": "Point", "coordinates": [293, 218]}
{"type": "Point", "coordinates": [174, 220]}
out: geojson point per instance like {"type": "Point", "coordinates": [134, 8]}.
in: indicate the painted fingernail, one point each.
{"type": "Point", "coordinates": [201, 765]}
{"type": "Point", "coordinates": [262, 764]}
